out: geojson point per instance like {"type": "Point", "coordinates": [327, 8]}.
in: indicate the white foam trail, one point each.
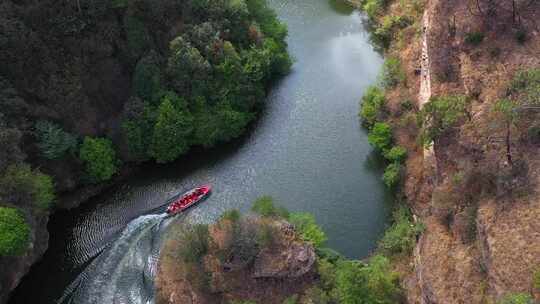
{"type": "Point", "coordinates": [124, 272]}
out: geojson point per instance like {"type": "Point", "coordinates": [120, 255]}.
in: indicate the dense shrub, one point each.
{"type": "Point", "coordinates": [441, 114]}
{"type": "Point", "coordinates": [384, 32]}
{"type": "Point", "coordinates": [536, 278]}
{"type": "Point", "coordinates": [391, 74]}
{"type": "Point", "coordinates": [474, 38]}
{"type": "Point", "coordinates": [14, 232]}
{"type": "Point", "coordinates": [100, 158]}
{"type": "Point", "coordinates": [375, 282]}
{"type": "Point", "coordinates": [22, 185]}
{"type": "Point", "coordinates": [53, 141]}
{"type": "Point", "coordinates": [396, 154]}
{"type": "Point", "coordinates": [526, 84]}
{"type": "Point", "coordinates": [308, 228]}
{"type": "Point", "coordinates": [381, 136]}
{"type": "Point", "coordinates": [400, 238]}
{"type": "Point", "coordinates": [372, 106]}
{"type": "Point", "coordinates": [265, 206]}
{"type": "Point", "coordinates": [373, 7]}
{"type": "Point", "coordinates": [392, 175]}
{"type": "Point", "coordinates": [517, 298]}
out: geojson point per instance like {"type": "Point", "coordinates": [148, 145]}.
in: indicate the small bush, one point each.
{"type": "Point", "coordinates": [380, 136]}
{"type": "Point", "coordinates": [53, 142]}
{"type": "Point", "coordinates": [291, 300]}
{"type": "Point", "coordinates": [372, 106]}
{"type": "Point", "coordinates": [400, 238]}
{"type": "Point", "coordinates": [521, 35]}
{"type": "Point", "coordinates": [527, 85]}
{"type": "Point", "coordinates": [407, 105]}
{"type": "Point", "coordinates": [100, 158]}
{"type": "Point", "coordinates": [474, 38]}
{"type": "Point", "coordinates": [392, 175]}
{"type": "Point", "coordinates": [14, 232]}
{"type": "Point", "coordinates": [536, 278]}
{"type": "Point", "coordinates": [391, 74]}
{"type": "Point", "coordinates": [396, 154]}
{"type": "Point", "coordinates": [265, 206]}
{"type": "Point", "coordinates": [308, 228]}
{"type": "Point", "coordinates": [517, 298]}
{"type": "Point", "coordinates": [494, 52]}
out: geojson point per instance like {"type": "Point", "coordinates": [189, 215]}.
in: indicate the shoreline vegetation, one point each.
{"type": "Point", "coordinates": [242, 245]}
{"type": "Point", "coordinates": [202, 89]}
{"type": "Point", "coordinates": [179, 74]}
{"type": "Point", "coordinates": [467, 187]}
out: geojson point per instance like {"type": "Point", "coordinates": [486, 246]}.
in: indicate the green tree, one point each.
{"type": "Point", "coordinates": [53, 141]}
{"type": "Point", "coordinates": [396, 154]}
{"type": "Point", "coordinates": [22, 185]}
{"type": "Point", "coordinates": [380, 136]}
{"type": "Point", "coordinates": [372, 106]}
{"type": "Point", "coordinates": [392, 74]}
{"type": "Point", "coordinates": [308, 228]}
{"type": "Point", "coordinates": [99, 157]}
{"type": "Point", "coordinates": [358, 283]}
{"type": "Point", "coordinates": [147, 77]}
{"type": "Point", "coordinates": [392, 175]}
{"type": "Point", "coordinates": [441, 114]}
{"type": "Point", "coordinates": [187, 69]}
{"type": "Point", "coordinates": [172, 130]}
{"type": "Point", "coordinates": [401, 236]}
{"type": "Point", "coordinates": [14, 232]}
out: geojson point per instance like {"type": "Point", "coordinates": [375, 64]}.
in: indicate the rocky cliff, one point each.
{"type": "Point", "coordinates": [474, 186]}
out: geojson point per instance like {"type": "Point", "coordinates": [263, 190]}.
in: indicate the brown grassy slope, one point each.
{"type": "Point", "coordinates": [490, 245]}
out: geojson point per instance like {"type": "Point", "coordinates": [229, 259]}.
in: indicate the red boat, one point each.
{"type": "Point", "coordinates": [188, 199]}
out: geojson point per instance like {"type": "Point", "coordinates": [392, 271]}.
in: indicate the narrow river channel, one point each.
{"type": "Point", "coordinates": [307, 150]}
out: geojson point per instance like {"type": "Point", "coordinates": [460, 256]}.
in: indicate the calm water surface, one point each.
{"type": "Point", "coordinates": [307, 150]}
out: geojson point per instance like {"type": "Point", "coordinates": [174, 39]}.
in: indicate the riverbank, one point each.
{"type": "Point", "coordinates": [293, 143]}
{"type": "Point", "coordinates": [469, 176]}
{"type": "Point", "coordinates": [100, 88]}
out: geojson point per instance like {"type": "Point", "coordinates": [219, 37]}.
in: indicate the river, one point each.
{"type": "Point", "coordinates": [307, 150]}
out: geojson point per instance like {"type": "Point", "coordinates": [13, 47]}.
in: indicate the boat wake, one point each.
{"type": "Point", "coordinates": [123, 273]}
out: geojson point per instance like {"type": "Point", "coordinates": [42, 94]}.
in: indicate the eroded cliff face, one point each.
{"type": "Point", "coordinates": [257, 259]}
{"type": "Point", "coordinates": [480, 207]}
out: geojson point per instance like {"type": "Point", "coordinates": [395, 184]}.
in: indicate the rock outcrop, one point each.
{"type": "Point", "coordinates": [280, 266]}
